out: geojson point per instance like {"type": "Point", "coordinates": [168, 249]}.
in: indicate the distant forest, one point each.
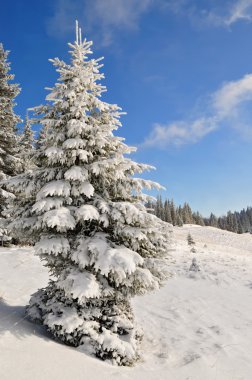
{"type": "Point", "coordinates": [239, 222]}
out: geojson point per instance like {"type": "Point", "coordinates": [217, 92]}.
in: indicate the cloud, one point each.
{"type": "Point", "coordinates": [211, 14]}
{"type": "Point", "coordinates": [231, 95]}
{"type": "Point", "coordinates": [106, 18]}
{"type": "Point", "coordinates": [102, 17]}
{"type": "Point", "coordinates": [229, 13]}
{"type": "Point", "coordinates": [227, 106]}
{"type": "Point", "coordinates": [114, 15]}
{"type": "Point", "coordinates": [63, 19]}
{"type": "Point", "coordinates": [240, 10]}
{"type": "Point", "coordinates": [179, 133]}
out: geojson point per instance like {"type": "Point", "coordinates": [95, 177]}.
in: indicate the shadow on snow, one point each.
{"type": "Point", "coordinates": [14, 320]}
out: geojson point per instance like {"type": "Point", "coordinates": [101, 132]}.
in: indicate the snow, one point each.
{"type": "Point", "coordinates": [198, 327]}
{"type": "Point", "coordinates": [69, 319]}
{"type": "Point", "coordinates": [87, 212]}
{"type": "Point", "coordinates": [47, 204]}
{"type": "Point", "coordinates": [97, 252]}
{"type": "Point", "coordinates": [54, 153]}
{"type": "Point", "coordinates": [87, 189]}
{"type": "Point", "coordinates": [83, 188]}
{"type": "Point", "coordinates": [60, 218]}
{"type": "Point", "coordinates": [59, 188]}
{"type": "Point", "coordinates": [74, 143]}
{"type": "Point", "coordinates": [120, 260]}
{"type": "Point", "coordinates": [81, 285]}
{"type": "Point", "coordinates": [83, 154]}
{"type": "Point", "coordinates": [76, 173]}
{"type": "Point", "coordinates": [53, 245]}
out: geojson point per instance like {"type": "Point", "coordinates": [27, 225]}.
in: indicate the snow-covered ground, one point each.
{"type": "Point", "coordinates": [198, 327]}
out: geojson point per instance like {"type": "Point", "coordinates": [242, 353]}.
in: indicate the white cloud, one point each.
{"type": "Point", "coordinates": [179, 133]}
{"type": "Point", "coordinates": [226, 107]}
{"type": "Point", "coordinates": [225, 14]}
{"type": "Point", "coordinates": [105, 18]}
{"type": "Point", "coordinates": [231, 95]}
{"type": "Point", "coordinates": [114, 15]}
{"type": "Point", "coordinates": [211, 13]}
{"type": "Point", "coordinates": [102, 17]}
{"type": "Point", "coordinates": [240, 10]}
{"type": "Point", "coordinates": [63, 19]}
{"type": "Point", "coordinates": [119, 13]}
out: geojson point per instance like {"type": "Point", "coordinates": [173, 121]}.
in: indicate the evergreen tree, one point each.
{"type": "Point", "coordinates": [213, 221]}
{"type": "Point", "coordinates": [179, 221]}
{"type": "Point", "coordinates": [167, 212]}
{"type": "Point", "coordinates": [232, 224]}
{"type": "Point", "coordinates": [180, 216]}
{"type": "Point", "coordinates": [187, 214]}
{"type": "Point", "coordinates": [159, 208]}
{"type": "Point", "coordinates": [197, 218]}
{"type": "Point", "coordinates": [84, 209]}
{"type": "Point", "coordinates": [244, 221]}
{"type": "Point", "coordinates": [42, 135]}
{"type": "Point", "coordinates": [27, 144]}
{"type": "Point", "coordinates": [249, 215]}
{"type": "Point", "coordinates": [173, 213]}
{"type": "Point", "coordinates": [190, 240]}
{"type": "Point", "coordinates": [10, 165]}
{"type": "Point", "coordinates": [240, 228]}
{"type": "Point", "coordinates": [194, 266]}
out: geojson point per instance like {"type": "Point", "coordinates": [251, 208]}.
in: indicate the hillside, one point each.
{"type": "Point", "coordinates": [199, 326]}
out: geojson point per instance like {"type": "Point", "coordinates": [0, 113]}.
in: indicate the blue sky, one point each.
{"type": "Point", "coordinates": [181, 69]}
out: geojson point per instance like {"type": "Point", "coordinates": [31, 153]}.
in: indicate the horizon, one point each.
{"type": "Point", "coordinates": [181, 71]}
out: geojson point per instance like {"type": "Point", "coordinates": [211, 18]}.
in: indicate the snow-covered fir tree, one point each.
{"type": "Point", "coordinates": [194, 267]}
{"type": "Point", "coordinates": [84, 209]}
{"type": "Point", "coordinates": [42, 136]}
{"type": "Point", "coordinates": [190, 240]}
{"type": "Point", "coordinates": [26, 144]}
{"type": "Point", "coordinates": [198, 219]}
{"type": "Point", "coordinates": [9, 162]}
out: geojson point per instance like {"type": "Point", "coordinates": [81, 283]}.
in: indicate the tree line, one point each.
{"type": "Point", "coordinates": [238, 222]}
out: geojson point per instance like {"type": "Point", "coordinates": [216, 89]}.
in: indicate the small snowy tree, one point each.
{"type": "Point", "coordinates": [9, 162]}
{"type": "Point", "coordinates": [194, 267]}
{"type": "Point", "coordinates": [85, 210]}
{"type": "Point", "coordinates": [190, 240]}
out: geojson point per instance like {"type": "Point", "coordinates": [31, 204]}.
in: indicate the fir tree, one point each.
{"type": "Point", "coordinates": [197, 219]}
{"type": "Point", "coordinates": [167, 212]}
{"type": "Point", "coordinates": [84, 209]}
{"type": "Point", "coordinates": [10, 164]}
{"type": "Point", "coordinates": [27, 145]}
{"type": "Point", "coordinates": [213, 221]}
{"type": "Point", "coordinates": [159, 208]}
{"type": "Point", "coordinates": [173, 213]}
{"type": "Point", "coordinates": [232, 224]}
{"type": "Point", "coordinates": [42, 135]}
{"type": "Point", "coordinates": [194, 266]}
{"type": "Point", "coordinates": [190, 240]}
{"type": "Point", "coordinates": [187, 214]}
{"type": "Point", "coordinates": [179, 221]}
{"type": "Point", "coordinates": [180, 216]}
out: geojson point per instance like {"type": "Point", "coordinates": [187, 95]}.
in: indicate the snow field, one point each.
{"type": "Point", "coordinates": [197, 327]}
